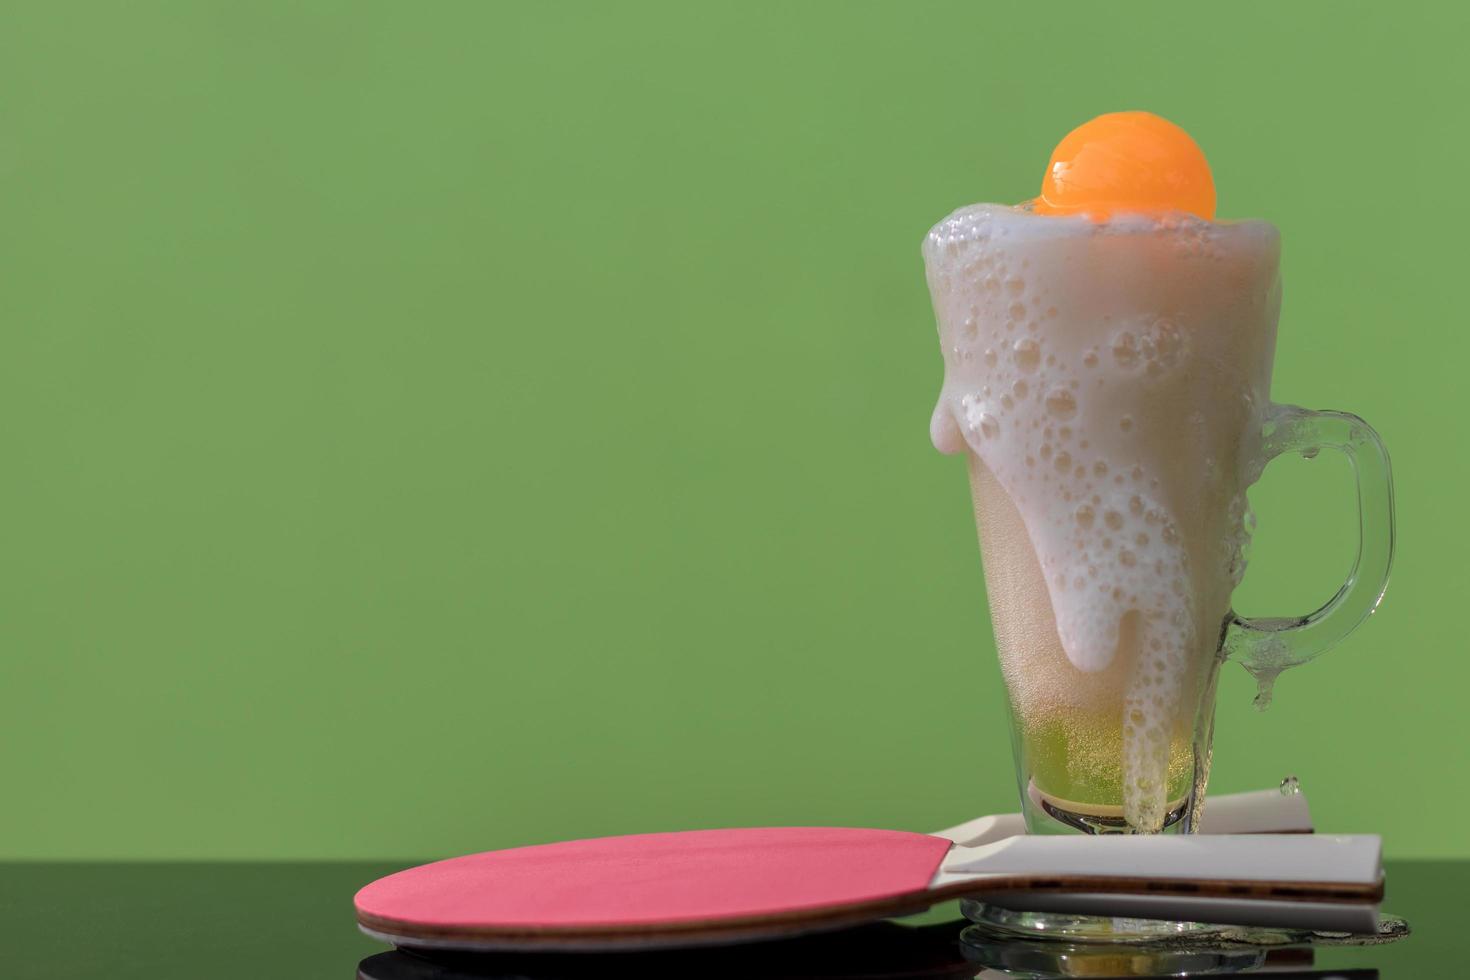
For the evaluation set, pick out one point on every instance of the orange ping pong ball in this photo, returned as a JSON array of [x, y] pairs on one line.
[[1127, 161]]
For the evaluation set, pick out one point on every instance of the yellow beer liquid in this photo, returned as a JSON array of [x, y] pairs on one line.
[[1077, 758]]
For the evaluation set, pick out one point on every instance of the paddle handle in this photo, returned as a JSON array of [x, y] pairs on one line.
[[1311, 881], [1347, 860], [1267, 811]]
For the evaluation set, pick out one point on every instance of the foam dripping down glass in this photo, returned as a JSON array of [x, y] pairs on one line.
[[1109, 382]]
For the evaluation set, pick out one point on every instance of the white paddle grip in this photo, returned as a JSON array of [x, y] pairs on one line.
[[1267, 811], [1256, 859]]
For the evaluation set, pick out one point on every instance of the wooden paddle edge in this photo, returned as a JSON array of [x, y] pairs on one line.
[[794, 921]]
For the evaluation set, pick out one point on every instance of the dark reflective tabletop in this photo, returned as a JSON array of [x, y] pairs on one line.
[[262, 921]]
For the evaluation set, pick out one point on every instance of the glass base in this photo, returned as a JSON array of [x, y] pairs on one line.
[[1053, 959], [1057, 944], [1003, 924]]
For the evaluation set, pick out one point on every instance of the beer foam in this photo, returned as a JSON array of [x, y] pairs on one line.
[[1105, 375]]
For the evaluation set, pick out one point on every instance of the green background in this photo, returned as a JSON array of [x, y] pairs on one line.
[[431, 427]]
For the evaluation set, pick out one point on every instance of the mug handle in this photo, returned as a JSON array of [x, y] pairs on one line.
[[1266, 647]]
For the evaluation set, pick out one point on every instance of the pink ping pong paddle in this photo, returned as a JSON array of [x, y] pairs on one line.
[[715, 886]]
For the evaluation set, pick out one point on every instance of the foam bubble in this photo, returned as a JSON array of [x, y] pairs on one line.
[[1060, 404], [1027, 353]]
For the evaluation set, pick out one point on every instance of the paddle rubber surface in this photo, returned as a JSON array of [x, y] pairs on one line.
[[653, 880]]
